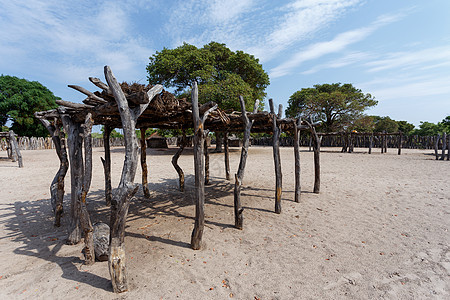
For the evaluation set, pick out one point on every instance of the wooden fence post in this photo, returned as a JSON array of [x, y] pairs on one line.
[[107, 163], [297, 124], [276, 154], [175, 161], [144, 164], [227, 156]]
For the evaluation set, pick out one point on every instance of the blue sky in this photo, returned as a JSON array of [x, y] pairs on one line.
[[398, 51]]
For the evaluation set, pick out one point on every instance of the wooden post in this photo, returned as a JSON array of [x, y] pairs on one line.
[[400, 141], [297, 124], [350, 142], [107, 163], [276, 155], [175, 161], [57, 186], [144, 164], [436, 146], [206, 160], [15, 151], [127, 188], [239, 176], [74, 143], [448, 147], [370, 143], [316, 148], [227, 156], [385, 142], [85, 221], [444, 145], [199, 164]]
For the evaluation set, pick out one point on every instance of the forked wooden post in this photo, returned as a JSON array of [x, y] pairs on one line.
[[127, 188], [227, 156], [199, 166], [144, 164], [297, 124], [57, 185], [276, 154], [107, 163], [239, 176], [175, 161]]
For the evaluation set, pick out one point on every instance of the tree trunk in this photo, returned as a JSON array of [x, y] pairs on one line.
[[219, 142], [144, 164], [206, 162]]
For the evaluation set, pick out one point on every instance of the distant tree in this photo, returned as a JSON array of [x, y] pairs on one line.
[[336, 105], [363, 124], [445, 123], [428, 129], [405, 127], [221, 73], [19, 100], [385, 124]]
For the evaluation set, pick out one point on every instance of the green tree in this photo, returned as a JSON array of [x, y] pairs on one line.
[[19, 100], [405, 127], [445, 123], [336, 105], [363, 124], [222, 74], [385, 124]]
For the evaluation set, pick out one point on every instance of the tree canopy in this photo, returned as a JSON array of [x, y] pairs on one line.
[[336, 105], [221, 74], [19, 100]]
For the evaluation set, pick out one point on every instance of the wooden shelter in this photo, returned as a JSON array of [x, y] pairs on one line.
[[136, 106]]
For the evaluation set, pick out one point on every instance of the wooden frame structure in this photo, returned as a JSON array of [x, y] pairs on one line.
[[141, 107]]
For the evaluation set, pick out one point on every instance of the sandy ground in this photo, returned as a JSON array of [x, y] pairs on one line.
[[378, 229]]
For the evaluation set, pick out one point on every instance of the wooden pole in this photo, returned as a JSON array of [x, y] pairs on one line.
[[85, 221], [144, 164], [297, 159], [175, 161], [276, 155], [199, 164], [127, 188], [107, 163], [316, 148], [436, 146], [74, 142], [206, 153], [444, 145], [57, 186], [370, 143], [400, 141], [239, 176], [227, 156], [16, 155]]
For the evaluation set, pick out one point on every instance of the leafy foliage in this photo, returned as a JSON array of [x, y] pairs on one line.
[[221, 74], [427, 128], [19, 100], [336, 105]]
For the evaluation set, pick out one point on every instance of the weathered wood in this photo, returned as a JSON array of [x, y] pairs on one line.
[[226, 156], [91, 95], [57, 185], [370, 143], [74, 142], [436, 146], [316, 147], [97, 82], [444, 145], [297, 159], [107, 164], [199, 165], [126, 189], [17, 156], [400, 141], [85, 221], [206, 153], [239, 176], [144, 164], [73, 105], [276, 156], [175, 162]]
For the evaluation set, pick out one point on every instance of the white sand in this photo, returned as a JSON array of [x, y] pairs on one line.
[[378, 229]]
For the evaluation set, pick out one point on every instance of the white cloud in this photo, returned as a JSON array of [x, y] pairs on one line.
[[339, 43], [226, 10], [346, 60]]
